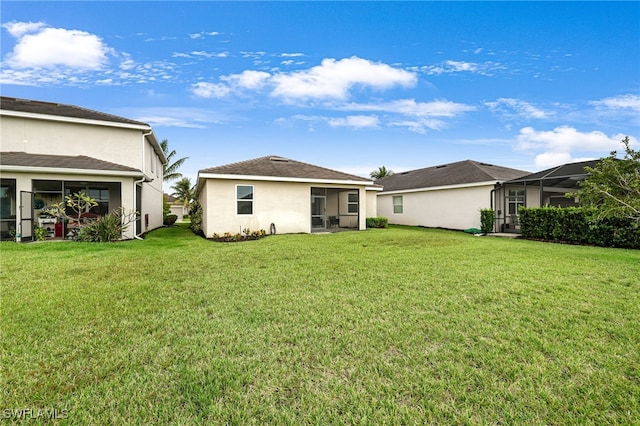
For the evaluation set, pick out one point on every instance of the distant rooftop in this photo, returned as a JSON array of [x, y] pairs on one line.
[[458, 173]]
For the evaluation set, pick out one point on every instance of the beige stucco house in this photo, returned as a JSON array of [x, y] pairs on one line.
[[49, 150], [446, 196], [283, 196]]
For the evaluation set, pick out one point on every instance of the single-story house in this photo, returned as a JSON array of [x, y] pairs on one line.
[[50, 150], [446, 196], [284, 196], [176, 206], [545, 188]]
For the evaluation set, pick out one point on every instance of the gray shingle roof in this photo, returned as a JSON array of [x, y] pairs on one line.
[[61, 110], [458, 173], [565, 170], [61, 162], [274, 166]]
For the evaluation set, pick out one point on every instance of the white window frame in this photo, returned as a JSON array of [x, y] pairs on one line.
[[353, 203], [515, 197], [394, 198], [238, 200]]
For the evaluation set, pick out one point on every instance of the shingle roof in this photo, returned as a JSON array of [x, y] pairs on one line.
[[458, 173], [61, 162], [563, 171], [60, 110], [274, 166]]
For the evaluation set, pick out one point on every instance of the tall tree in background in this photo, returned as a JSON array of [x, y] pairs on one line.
[[171, 169], [380, 173], [184, 191], [613, 185]]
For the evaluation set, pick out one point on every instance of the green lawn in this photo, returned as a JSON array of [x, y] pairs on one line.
[[396, 326]]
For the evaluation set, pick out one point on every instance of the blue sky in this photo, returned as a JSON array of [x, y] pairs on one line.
[[346, 85]]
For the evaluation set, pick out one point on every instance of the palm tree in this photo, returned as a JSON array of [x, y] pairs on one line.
[[380, 173], [184, 191], [171, 169]]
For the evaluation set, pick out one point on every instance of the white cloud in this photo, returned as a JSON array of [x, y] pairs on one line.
[[421, 125], [247, 79], [18, 29], [631, 102], [333, 79], [203, 34], [44, 47], [451, 66], [210, 90], [520, 108], [562, 144], [355, 121], [437, 108]]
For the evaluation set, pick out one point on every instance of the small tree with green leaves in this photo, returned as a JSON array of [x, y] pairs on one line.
[[79, 202], [613, 185]]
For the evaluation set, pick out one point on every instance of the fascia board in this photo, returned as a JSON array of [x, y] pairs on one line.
[[283, 179], [440, 188]]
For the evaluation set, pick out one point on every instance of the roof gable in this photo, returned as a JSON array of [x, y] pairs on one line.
[[60, 110], [458, 173], [280, 167]]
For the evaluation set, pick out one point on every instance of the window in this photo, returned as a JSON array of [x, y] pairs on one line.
[[352, 202], [515, 200], [244, 199], [397, 204]]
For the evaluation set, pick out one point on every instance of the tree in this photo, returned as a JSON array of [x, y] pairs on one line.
[[170, 170], [184, 191], [613, 185], [380, 173]]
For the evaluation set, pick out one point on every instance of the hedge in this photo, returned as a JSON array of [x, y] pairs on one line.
[[578, 225], [377, 222]]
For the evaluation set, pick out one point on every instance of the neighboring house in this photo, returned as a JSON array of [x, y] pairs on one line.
[[176, 206], [51, 150], [282, 195], [447, 196], [545, 188]]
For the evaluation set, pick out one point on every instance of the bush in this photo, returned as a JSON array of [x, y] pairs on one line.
[[579, 225], [170, 219], [246, 235], [487, 220], [195, 212], [40, 233], [377, 222], [105, 229]]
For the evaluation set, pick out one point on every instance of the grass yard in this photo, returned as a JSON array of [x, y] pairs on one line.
[[396, 326]]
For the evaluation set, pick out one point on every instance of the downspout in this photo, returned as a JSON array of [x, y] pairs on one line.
[[492, 195], [144, 178]]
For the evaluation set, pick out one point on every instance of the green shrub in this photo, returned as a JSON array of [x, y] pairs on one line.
[[246, 235], [102, 230], [195, 212], [487, 220], [377, 222], [40, 233], [578, 225], [170, 219]]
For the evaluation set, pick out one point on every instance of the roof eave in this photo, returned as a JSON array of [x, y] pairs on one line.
[[72, 171]]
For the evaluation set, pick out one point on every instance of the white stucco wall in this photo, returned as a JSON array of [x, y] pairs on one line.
[[452, 208]]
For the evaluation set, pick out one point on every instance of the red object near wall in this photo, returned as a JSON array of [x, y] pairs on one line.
[[58, 230]]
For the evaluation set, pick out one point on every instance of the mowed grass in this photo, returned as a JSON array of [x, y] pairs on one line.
[[396, 326]]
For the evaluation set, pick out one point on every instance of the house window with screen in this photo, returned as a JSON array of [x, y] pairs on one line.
[[397, 204], [244, 199], [352, 202], [515, 200]]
